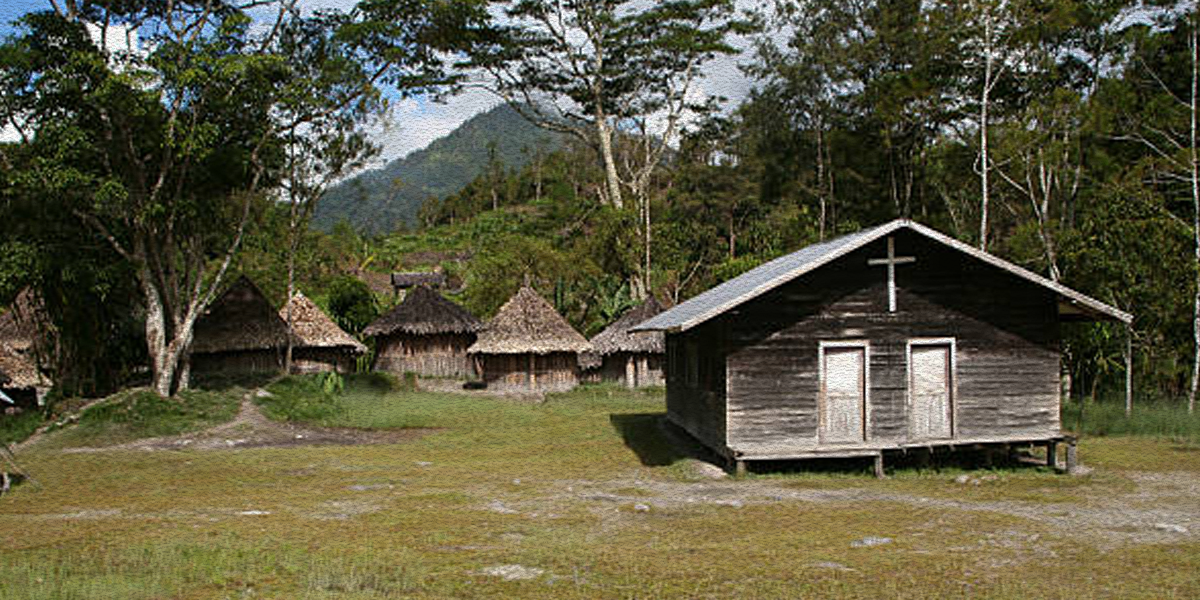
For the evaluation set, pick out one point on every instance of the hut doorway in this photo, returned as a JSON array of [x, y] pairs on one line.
[[931, 389], [843, 405]]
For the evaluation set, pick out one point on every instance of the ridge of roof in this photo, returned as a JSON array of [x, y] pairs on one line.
[[774, 273]]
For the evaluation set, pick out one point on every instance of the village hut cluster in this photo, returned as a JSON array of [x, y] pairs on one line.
[[528, 347], [242, 333]]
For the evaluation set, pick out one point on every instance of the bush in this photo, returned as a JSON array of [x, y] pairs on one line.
[[305, 398]]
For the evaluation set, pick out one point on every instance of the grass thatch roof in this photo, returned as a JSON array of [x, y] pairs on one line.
[[19, 325], [617, 337], [417, 279], [18, 369], [424, 312], [241, 319], [527, 324], [314, 329]]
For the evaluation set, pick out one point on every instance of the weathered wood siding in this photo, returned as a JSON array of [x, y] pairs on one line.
[[1005, 330], [631, 370], [696, 385], [251, 361], [555, 372], [426, 355], [322, 360]]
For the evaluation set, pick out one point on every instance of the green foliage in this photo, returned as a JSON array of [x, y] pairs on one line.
[[141, 413], [377, 201], [304, 398], [1167, 420], [351, 304], [17, 428]]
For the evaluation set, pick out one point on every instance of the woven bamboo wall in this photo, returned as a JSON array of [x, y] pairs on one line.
[[530, 372], [248, 361], [429, 355]]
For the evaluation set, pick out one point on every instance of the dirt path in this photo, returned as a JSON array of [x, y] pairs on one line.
[[1163, 507], [252, 429]]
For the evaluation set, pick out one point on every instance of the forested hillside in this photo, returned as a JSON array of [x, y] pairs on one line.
[[378, 200]]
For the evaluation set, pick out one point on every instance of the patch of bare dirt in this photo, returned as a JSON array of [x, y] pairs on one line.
[[252, 429]]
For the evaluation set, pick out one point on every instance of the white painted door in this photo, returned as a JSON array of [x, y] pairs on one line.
[[844, 400], [930, 392]]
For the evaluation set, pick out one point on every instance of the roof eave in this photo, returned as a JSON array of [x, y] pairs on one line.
[[1099, 309]]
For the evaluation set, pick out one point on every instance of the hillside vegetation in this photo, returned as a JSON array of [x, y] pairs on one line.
[[380, 200]]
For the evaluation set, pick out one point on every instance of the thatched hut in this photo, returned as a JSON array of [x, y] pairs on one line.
[[632, 358], [21, 342], [318, 344], [239, 333], [425, 334], [529, 346]]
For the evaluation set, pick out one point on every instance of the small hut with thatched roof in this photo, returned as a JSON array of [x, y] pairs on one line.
[[239, 333], [529, 346], [425, 334], [318, 344], [635, 359], [21, 342]]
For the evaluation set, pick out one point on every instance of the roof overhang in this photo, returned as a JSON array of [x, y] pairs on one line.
[[1072, 305]]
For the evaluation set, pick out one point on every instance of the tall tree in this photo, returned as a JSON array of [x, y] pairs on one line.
[[590, 68]]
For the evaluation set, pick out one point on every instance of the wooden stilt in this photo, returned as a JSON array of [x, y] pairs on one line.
[[1128, 370], [879, 465], [739, 468], [1052, 454]]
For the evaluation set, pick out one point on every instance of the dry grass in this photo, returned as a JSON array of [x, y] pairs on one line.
[[557, 487]]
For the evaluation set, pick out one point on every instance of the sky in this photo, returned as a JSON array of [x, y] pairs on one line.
[[414, 123]]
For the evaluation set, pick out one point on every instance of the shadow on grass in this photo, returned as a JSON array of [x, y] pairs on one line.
[[656, 442]]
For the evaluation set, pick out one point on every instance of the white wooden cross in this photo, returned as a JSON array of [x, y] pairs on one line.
[[891, 261]]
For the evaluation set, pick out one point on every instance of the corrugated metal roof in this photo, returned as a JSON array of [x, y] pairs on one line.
[[775, 273]]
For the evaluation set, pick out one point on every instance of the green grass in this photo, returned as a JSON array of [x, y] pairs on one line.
[[1152, 419], [16, 428], [302, 398], [141, 413], [417, 519]]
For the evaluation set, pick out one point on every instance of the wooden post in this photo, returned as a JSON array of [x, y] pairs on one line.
[[739, 468], [879, 465], [1072, 458], [1051, 454], [532, 371], [1128, 370]]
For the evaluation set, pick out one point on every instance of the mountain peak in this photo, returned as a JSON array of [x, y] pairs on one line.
[[377, 200]]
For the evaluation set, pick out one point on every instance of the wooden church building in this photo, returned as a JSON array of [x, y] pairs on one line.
[[891, 338], [318, 344], [425, 334], [239, 333], [529, 347], [635, 359]]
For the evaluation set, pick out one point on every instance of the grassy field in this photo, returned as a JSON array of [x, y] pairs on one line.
[[584, 497]]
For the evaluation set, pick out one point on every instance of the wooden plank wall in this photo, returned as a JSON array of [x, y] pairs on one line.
[[427, 355], [255, 361], [322, 360], [555, 372], [1006, 333], [698, 405], [647, 369]]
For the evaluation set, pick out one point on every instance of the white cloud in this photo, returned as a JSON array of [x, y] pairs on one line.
[[412, 124]]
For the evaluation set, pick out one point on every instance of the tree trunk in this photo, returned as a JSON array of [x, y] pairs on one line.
[[984, 158], [162, 364], [1195, 168], [821, 182], [612, 182]]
